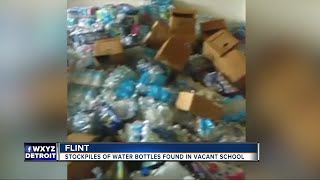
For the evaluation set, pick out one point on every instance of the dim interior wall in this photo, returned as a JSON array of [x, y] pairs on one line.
[[232, 10]]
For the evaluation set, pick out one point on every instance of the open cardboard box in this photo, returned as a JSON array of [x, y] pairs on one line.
[[182, 23], [232, 66], [110, 49], [219, 44]]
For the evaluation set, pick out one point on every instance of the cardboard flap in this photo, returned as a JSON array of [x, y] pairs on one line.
[[213, 26], [180, 15], [175, 52], [158, 35], [184, 101], [183, 13], [199, 105], [206, 108]]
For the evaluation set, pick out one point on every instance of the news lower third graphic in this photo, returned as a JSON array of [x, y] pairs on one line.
[[142, 151], [40, 151]]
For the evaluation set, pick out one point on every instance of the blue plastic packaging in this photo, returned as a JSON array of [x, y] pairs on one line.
[[126, 89], [165, 134], [153, 79], [161, 94], [206, 126], [109, 118], [237, 113]]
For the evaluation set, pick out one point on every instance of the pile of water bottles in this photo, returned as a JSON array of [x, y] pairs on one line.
[[136, 101], [87, 24]]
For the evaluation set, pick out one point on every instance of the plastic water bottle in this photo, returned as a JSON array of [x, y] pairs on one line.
[[125, 109], [147, 134], [82, 122], [234, 109], [126, 89], [135, 130], [109, 118], [118, 75], [206, 126], [217, 81]]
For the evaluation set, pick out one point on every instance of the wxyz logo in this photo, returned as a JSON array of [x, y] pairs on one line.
[[43, 149]]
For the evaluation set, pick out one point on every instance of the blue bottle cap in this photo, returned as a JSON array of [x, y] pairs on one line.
[[145, 171]]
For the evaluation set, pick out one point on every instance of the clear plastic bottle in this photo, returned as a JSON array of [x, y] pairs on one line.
[[147, 134], [228, 132], [205, 128], [134, 131], [217, 81]]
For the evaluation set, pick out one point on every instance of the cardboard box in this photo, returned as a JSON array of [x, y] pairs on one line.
[[158, 35], [210, 27], [108, 47], [103, 62], [219, 44], [232, 65], [198, 105], [182, 22], [81, 170], [175, 52]]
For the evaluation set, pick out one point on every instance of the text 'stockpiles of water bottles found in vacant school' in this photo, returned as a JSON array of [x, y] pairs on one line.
[[157, 73]]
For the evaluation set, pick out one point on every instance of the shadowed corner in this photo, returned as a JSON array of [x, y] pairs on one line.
[[285, 103]]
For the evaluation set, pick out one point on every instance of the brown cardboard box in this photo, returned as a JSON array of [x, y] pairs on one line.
[[81, 137], [103, 62], [232, 65], [198, 105], [158, 35], [175, 52], [210, 27], [108, 47], [219, 44], [81, 170], [182, 22]]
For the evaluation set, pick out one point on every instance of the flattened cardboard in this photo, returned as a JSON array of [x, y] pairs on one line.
[[210, 27], [232, 65], [108, 47], [219, 44], [182, 22], [198, 105], [159, 34], [175, 52]]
